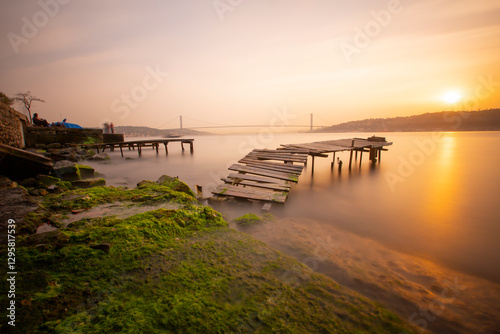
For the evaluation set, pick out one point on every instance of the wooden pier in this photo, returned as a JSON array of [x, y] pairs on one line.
[[140, 144], [264, 175], [268, 175], [372, 145]]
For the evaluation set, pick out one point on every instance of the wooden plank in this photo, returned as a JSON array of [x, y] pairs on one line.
[[262, 172], [272, 166], [272, 186], [251, 190], [26, 155], [255, 178], [240, 192], [284, 157], [292, 150], [283, 168], [290, 166], [279, 152], [274, 169], [320, 148], [267, 206]]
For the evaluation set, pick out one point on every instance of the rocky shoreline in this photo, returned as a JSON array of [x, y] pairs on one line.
[[168, 264]]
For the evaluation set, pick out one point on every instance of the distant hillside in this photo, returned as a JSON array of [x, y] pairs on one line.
[[144, 131], [484, 120]]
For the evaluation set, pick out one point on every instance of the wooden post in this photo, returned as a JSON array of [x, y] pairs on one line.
[[166, 149], [356, 156], [350, 161], [139, 149], [156, 146], [182, 145], [191, 147], [333, 160], [312, 167], [360, 158], [121, 149], [379, 155]]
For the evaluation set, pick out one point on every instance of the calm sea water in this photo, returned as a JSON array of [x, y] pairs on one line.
[[435, 195]]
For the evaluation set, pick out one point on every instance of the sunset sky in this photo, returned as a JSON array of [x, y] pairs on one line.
[[238, 61]]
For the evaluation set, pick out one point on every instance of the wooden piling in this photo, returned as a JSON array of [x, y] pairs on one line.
[[350, 161]]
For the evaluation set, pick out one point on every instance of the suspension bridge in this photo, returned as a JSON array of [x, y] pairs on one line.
[[213, 125]]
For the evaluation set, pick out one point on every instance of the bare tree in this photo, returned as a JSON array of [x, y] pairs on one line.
[[27, 99]]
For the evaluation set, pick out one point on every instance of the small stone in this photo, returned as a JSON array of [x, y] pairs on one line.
[[100, 157], [52, 189], [5, 182]]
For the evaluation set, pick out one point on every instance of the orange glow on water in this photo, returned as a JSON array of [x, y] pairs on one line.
[[439, 210]]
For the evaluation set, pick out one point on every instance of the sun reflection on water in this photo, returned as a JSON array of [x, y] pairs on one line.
[[439, 209]]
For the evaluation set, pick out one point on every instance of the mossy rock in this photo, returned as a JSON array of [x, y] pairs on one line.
[[175, 184], [180, 271], [248, 220], [47, 180], [86, 172], [66, 170], [89, 183], [252, 219]]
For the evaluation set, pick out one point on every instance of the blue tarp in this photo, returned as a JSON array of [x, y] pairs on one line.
[[68, 125]]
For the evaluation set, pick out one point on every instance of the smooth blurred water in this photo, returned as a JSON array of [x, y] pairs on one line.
[[434, 195]]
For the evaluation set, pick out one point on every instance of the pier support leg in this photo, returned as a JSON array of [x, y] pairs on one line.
[[166, 148], [356, 155], [350, 161], [360, 158], [312, 167], [139, 149], [121, 150], [333, 160], [156, 146], [379, 155], [191, 147]]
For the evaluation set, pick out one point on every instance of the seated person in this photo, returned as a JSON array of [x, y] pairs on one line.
[[39, 121]]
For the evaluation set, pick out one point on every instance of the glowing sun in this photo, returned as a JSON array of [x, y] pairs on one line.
[[451, 97]]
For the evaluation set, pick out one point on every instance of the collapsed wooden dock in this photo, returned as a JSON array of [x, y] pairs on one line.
[[268, 175], [263, 175], [372, 145], [140, 144]]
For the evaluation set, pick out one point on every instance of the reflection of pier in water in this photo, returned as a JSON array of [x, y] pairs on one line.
[[268, 175]]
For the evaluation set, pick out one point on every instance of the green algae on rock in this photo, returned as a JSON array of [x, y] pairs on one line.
[[250, 219], [174, 270]]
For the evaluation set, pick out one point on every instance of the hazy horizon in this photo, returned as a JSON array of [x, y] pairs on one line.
[[239, 62]]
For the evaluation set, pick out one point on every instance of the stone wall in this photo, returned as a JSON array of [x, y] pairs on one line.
[[36, 135], [13, 125]]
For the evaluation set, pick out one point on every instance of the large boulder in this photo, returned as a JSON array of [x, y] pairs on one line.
[[175, 184], [66, 170]]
